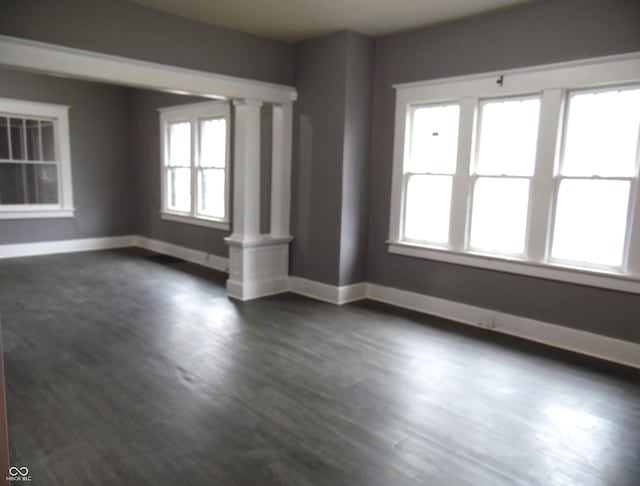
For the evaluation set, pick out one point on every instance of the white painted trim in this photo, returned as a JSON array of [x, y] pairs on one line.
[[281, 169], [590, 344], [17, 250], [59, 114], [327, 293], [593, 72], [610, 349], [95, 66], [37, 213], [207, 223], [246, 170], [547, 271], [205, 259], [550, 82]]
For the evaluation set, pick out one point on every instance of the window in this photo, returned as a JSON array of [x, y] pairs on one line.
[[597, 176], [508, 132], [35, 163], [513, 172], [195, 155], [429, 175]]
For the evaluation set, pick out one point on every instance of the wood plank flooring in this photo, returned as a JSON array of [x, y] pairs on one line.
[[123, 369]]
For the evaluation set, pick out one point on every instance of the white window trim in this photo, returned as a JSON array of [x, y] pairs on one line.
[[193, 112], [60, 113], [551, 81]]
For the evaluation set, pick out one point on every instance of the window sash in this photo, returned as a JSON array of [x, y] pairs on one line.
[[56, 119]]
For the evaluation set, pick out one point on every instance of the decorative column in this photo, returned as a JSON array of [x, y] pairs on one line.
[[259, 264]]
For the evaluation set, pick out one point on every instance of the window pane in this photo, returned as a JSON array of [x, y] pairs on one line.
[[434, 139], [48, 147], [12, 190], [499, 215], [213, 142], [602, 134], [4, 139], [33, 140], [508, 137], [180, 144], [179, 189], [591, 221], [428, 208], [17, 139], [41, 183], [211, 196]]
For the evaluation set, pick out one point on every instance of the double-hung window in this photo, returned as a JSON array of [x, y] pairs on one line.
[[35, 161], [528, 171], [195, 160]]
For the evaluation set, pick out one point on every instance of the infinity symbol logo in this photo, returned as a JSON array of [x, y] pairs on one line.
[[18, 471]]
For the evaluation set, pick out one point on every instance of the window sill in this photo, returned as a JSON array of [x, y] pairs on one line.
[[592, 278], [36, 213], [207, 223]]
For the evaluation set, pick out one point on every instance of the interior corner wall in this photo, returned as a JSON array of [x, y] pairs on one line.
[[318, 144], [330, 158], [101, 173], [538, 33], [125, 29], [355, 161]]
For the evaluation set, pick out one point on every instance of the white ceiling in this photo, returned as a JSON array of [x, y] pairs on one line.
[[292, 20]]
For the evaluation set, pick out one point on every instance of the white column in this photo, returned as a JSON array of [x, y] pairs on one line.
[[281, 170], [259, 264], [246, 171]]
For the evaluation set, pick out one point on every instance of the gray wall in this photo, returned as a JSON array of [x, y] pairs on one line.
[[318, 133], [356, 154], [330, 158], [125, 29], [540, 33], [101, 172]]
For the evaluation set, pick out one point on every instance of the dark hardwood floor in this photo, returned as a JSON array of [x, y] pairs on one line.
[[123, 369]]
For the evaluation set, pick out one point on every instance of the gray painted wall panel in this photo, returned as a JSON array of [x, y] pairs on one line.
[[536, 34], [125, 29], [101, 170], [355, 164], [318, 136]]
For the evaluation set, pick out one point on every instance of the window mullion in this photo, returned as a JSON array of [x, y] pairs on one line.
[[633, 237], [542, 183], [461, 179], [194, 172]]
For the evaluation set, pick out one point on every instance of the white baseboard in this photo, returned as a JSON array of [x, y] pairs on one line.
[[65, 246], [194, 256], [583, 342], [327, 293]]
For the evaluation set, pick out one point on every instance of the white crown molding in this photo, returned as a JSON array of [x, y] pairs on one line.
[[95, 66]]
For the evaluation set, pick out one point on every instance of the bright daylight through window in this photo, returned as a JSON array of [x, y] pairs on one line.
[[195, 160], [542, 175]]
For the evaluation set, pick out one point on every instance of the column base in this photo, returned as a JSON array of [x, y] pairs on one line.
[[258, 268]]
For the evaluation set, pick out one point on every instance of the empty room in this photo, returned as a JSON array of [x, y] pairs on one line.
[[302, 242]]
